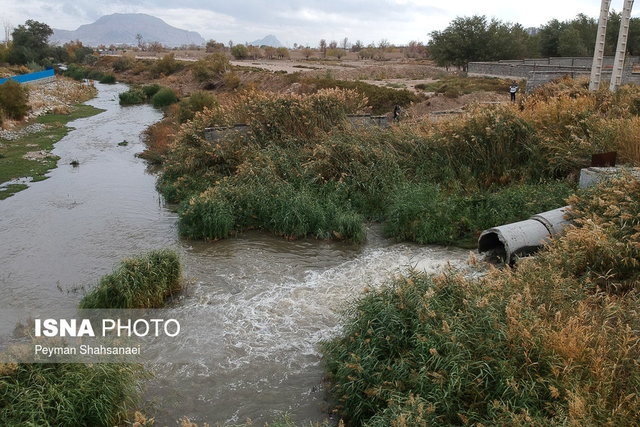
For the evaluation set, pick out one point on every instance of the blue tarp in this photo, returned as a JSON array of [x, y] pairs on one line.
[[24, 78]]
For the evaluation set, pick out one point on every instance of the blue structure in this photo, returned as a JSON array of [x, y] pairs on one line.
[[32, 77]]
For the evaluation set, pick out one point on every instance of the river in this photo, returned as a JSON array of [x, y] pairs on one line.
[[274, 300]]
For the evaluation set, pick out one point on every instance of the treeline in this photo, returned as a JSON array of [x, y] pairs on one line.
[[468, 39], [29, 46]]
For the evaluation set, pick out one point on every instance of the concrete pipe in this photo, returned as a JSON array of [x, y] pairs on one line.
[[524, 237]]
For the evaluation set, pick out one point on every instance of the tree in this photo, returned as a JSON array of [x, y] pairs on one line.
[[270, 52], [570, 43], [214, 46], [30, 42], [323, 47], [282, 52], [345, 43], [239, 51], [307, 52], [357, 46], [211, 66]]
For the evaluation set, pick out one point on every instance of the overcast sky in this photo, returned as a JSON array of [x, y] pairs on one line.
[[306, 21]]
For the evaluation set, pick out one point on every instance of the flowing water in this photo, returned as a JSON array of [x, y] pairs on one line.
[[271, 301]]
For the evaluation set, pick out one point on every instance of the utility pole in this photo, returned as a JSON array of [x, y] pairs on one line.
[[618, 62], [598, 52]]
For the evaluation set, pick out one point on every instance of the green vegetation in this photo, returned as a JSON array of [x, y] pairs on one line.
[[77, 72], [30, 42], [434, 183], [102, 394], [108, 78], [13, 100], [240, 51], [553, 342], [211, 66], [473, 38], [159, 96], [164, 97], [196, 102], [14, 165], [145, 281], [67, 394]]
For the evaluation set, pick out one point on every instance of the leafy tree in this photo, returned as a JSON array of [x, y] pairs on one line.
[[282, 52], [239, 51], [570, 43], [464, 40], [307, 52], [30, 42], [270, 52]]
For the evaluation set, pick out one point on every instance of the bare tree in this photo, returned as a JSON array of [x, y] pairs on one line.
[[323, 47], [333, 44], [8, 29], [345, 43], [139, 40]]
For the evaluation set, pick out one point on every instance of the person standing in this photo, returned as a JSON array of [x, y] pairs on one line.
[[512, 90], [396, 113]]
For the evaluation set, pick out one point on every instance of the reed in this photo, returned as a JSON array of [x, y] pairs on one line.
[[145, 281]]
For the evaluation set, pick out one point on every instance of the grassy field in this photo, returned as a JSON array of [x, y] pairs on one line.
[[12, 162]]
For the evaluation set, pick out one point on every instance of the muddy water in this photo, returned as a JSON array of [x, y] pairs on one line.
[[271, 301]]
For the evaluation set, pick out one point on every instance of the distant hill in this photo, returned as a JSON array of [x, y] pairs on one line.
[[270, 40], [122, 28]]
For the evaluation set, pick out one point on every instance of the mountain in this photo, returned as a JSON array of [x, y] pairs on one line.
[[270, 40], [122, 28]]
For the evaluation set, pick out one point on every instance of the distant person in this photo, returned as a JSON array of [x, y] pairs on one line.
[[396, 113], [512, 90]]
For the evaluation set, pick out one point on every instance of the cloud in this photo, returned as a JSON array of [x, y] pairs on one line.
[[307, 21]]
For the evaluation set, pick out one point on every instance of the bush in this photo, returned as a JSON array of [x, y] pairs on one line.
[[123, 63], [133, 96], [141, 282], [197, 102], [163, 98], [166, 66], [240, 51], [150, 90], [14, 100], [210, 66], [67, 394], [108, 78], [231, 80]]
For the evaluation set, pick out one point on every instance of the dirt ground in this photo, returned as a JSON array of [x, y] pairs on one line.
[[395, 72]]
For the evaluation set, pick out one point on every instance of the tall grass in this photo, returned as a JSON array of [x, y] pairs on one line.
[[68, 394], [141, 282], [553, 342], [301, 162]]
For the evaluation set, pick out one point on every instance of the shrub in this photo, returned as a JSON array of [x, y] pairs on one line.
[[231, 80], [67, 393], [210, 66], [163, 98], [133, 96], [166, 66], [123, 63], [141, 282], [240, 51], [14, 100], [197, 102], [150, 90], [108, 78]]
